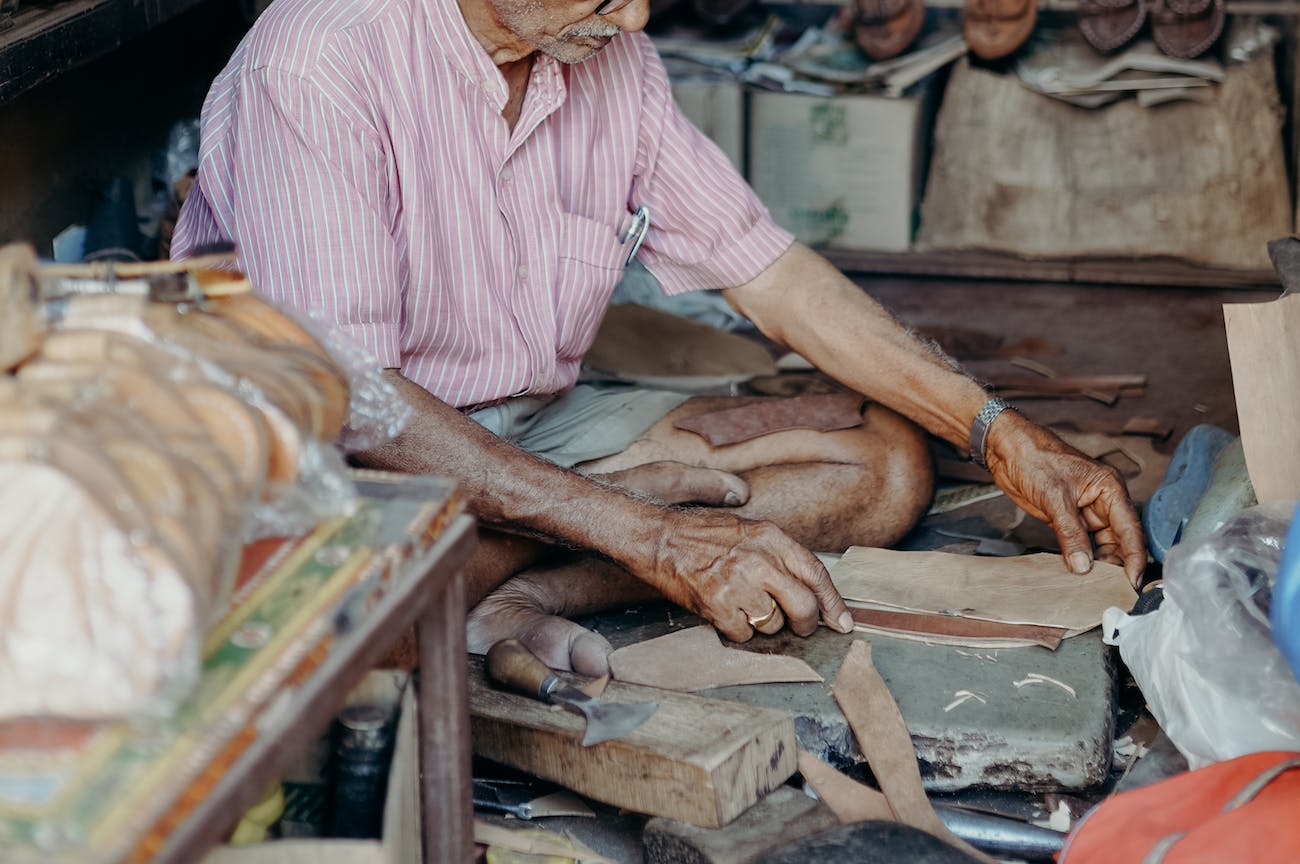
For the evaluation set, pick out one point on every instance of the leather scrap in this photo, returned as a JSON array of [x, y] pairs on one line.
[[695, 659], [848, 799], [822, 412], [882, 736], [997, 28], [954, 629], [648, 346], [1029, 589], [1068, 387]]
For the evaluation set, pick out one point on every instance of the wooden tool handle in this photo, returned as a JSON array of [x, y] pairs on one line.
[[512, 665]]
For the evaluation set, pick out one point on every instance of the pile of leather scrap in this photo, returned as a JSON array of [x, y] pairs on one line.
[[138, 435], [944, 598], [1066, 68]]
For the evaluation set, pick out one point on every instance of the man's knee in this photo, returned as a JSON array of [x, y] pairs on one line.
[[904, 472]]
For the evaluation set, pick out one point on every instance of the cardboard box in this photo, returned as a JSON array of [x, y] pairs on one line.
[[402, 834], [715, 102], [843, 171]]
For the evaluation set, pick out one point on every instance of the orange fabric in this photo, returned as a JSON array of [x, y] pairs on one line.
[[1125, 828]]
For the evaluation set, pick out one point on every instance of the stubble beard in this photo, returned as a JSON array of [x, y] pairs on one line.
[[521, 17]]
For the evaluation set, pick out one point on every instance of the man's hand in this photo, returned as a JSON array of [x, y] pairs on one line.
[[733, 571], [1077, 496]]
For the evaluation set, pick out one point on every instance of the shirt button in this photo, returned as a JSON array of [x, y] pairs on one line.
[[506, 176], [521, 273]]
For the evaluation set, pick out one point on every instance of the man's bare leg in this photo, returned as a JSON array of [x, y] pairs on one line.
[[864, 486], [539, 577]]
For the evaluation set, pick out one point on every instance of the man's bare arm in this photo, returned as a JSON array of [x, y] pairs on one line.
[[713, 563], [803, 302]]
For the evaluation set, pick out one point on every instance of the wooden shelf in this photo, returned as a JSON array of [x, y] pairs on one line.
[[1233, 7], [48, 40], [992, 265]]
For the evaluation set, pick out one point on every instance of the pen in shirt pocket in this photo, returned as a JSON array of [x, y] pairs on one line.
[[636, 232]]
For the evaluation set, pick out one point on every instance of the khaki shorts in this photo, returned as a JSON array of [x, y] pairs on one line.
[[579, 425]]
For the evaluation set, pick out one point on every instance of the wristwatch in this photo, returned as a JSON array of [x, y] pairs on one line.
[[979, 429]]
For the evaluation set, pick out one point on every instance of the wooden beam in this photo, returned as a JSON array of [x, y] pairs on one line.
[[703, 761], [993, 265], [48, 40]]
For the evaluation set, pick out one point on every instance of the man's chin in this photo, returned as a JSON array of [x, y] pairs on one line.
[[576, 49]]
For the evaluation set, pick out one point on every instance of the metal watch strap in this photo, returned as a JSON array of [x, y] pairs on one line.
[[979, 429]]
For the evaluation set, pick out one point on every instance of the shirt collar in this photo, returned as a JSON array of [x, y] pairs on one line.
[[448, 28]]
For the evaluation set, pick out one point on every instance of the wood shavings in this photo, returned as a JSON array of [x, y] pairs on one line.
[[1059, 820], [990, 658], [1038, 678], [962, 696]]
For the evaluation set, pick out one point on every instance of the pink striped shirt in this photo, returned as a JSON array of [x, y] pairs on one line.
[[355, 152]]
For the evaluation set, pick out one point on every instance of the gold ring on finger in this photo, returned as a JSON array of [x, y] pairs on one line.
[[764, 619]]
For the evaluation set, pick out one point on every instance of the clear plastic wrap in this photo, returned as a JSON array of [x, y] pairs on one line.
[[376, 411], [298, 395], [160, 417], [1205, 659]]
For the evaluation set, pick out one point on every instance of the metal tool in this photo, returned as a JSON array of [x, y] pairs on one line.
[[1000, 836], [513, 666], [525, 800]]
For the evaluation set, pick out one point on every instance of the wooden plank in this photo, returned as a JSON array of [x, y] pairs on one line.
[[46, 41], [995, 265], [1233, 7], [703, 761]]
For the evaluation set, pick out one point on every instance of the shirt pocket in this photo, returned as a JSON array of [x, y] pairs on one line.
[[590, 267]]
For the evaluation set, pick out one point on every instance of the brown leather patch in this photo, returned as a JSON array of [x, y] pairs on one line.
[[823, 412], [954, 625]]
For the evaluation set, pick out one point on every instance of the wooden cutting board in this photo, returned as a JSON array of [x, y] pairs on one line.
[[703, 761]]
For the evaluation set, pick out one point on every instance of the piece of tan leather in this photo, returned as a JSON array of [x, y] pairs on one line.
[[822, 412], [997, 28], [848, 799], [955, 626], [1186, 28], [882, 736], [1109, 25], [695, 659], [885, 28]]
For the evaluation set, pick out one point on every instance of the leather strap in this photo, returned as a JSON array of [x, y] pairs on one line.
[[883, 738]]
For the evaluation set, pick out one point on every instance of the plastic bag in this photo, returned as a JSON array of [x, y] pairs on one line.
[[1205, 659], [240, 346], [1286, 599], [111, 560]]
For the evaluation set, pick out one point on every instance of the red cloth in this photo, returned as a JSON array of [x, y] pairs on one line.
[[1124, 829]]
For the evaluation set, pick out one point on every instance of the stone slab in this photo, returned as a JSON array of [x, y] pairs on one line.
[[1036, 737]]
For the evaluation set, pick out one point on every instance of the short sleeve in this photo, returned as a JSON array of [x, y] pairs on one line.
[[308, 207], [708, 228]]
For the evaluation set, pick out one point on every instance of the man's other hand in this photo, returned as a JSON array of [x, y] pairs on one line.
[[1084, 501]]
